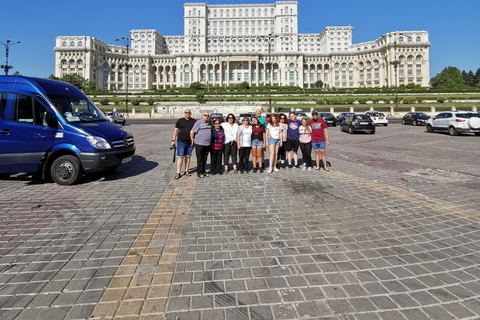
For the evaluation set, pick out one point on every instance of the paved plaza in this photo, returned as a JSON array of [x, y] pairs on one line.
[[393, 232]]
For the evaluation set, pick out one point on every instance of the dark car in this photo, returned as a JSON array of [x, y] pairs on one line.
[[415, 118], [358, 123], [329, 118], [215, 116], [342, 116]]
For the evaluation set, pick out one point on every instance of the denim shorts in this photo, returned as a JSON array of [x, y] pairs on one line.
[[319, 145], [273, 141], [257, 143], [184, 149]]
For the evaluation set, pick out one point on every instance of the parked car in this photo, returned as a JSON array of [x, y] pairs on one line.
[[215, 116], [415, 118], [455, 122], [116, 117], [377, 117], [358, 123], [342, 116], [51, 129], [301, 114], [328, 118], [244, 115]]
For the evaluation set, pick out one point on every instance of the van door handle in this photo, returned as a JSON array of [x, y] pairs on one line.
[[6, 131]]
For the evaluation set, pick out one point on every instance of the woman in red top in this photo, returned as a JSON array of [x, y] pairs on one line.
[[258, 143], [218, 138]]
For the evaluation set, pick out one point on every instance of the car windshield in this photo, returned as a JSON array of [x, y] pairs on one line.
[[76, 109], [326, 115], [244, 115], [362, 117]]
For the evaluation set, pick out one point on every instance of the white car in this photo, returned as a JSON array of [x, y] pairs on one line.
[[116, 117], [377, 117], [455, 122]]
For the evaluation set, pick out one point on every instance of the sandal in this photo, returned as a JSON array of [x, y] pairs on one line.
[[177, 176], [226, 172], [201, 176], [235, 171], [188, 173]]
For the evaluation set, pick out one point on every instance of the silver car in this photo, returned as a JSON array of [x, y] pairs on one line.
[[116, 117]]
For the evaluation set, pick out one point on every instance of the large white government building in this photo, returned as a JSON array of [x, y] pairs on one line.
[[226, 45]]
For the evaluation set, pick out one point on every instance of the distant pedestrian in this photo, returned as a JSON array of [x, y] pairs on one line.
[[258, 144], [181, 138], [305, 139], [218, 137], [275, 138], [201, 136], [292, 140], [230, 148], [320, 139], [244, 144]]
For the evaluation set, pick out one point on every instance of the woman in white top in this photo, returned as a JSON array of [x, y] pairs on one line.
[[244, 144], [305, 134], [275, 140], [230, 128]]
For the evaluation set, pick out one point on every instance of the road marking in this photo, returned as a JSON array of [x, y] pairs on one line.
[[142, 283]]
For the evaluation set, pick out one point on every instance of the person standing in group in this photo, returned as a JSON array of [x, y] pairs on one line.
[[320, 139], [275, 138], [292, 140], [258, 114], [201, 136], [230, 149], [244, 144], [181, 137], [281, 149], [258, 143], [305, 139], [218, 138]]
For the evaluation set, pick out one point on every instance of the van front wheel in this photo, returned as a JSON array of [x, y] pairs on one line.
[[66, 170]]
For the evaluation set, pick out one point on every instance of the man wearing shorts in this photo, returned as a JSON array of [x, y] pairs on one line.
[[320, 139], [292, 143], [181, 133]]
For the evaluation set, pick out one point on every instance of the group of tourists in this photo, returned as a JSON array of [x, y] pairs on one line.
[[228, 140]]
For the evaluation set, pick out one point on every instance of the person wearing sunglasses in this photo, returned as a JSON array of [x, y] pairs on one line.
[[181, 138], [258, 144], [244, 144], [230, 149], [218, 137], [201, 136], [281, 150]]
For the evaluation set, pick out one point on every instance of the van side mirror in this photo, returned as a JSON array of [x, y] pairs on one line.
[[49, 120]]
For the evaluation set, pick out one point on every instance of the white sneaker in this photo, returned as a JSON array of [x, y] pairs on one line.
[[304, 168], [309, 168], [269, 170], [326, 170], [276, 169], [317, 168]]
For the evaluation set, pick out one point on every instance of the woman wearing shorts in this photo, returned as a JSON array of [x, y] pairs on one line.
[[258, 143], [275, 138]]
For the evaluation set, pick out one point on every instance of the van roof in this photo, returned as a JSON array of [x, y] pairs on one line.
[[38, 85]]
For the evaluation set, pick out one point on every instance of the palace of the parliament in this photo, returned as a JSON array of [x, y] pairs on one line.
[[225, 45]]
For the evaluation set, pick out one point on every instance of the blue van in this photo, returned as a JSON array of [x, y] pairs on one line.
[[50, 128]]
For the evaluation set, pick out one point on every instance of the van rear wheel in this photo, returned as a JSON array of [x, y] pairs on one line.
[[66, 170]]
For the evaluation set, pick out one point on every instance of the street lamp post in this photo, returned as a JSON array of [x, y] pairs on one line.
[[395, 64], [7, 47], [269, 38], [125, 41]]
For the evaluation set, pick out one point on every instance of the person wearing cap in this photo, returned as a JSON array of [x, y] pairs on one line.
[[320, 139]]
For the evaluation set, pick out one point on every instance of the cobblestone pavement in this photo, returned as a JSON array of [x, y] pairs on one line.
[[392, 232]]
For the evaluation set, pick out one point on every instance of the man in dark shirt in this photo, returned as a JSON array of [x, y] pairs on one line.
[[184, 144]]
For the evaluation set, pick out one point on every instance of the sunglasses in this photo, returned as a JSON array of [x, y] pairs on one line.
[[282, 118], [245, 120], [205, 115], [230, 118], [217, 123], [187, 112]]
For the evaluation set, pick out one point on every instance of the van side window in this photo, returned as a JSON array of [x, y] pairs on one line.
[[22, 108]]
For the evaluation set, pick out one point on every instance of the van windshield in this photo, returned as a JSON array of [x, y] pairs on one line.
[[76, 109]]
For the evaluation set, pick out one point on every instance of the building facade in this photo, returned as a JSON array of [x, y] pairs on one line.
[[226, 45]]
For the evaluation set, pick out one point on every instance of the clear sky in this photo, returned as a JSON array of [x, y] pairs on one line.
[[453, 26]]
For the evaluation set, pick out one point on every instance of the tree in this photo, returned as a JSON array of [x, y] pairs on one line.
[[476, 82], [16, 73], [243, 86], [319, 84], [196, 86], [200, 97], [449, 78]]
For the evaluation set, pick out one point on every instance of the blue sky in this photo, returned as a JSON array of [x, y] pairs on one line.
[[453, 26]]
